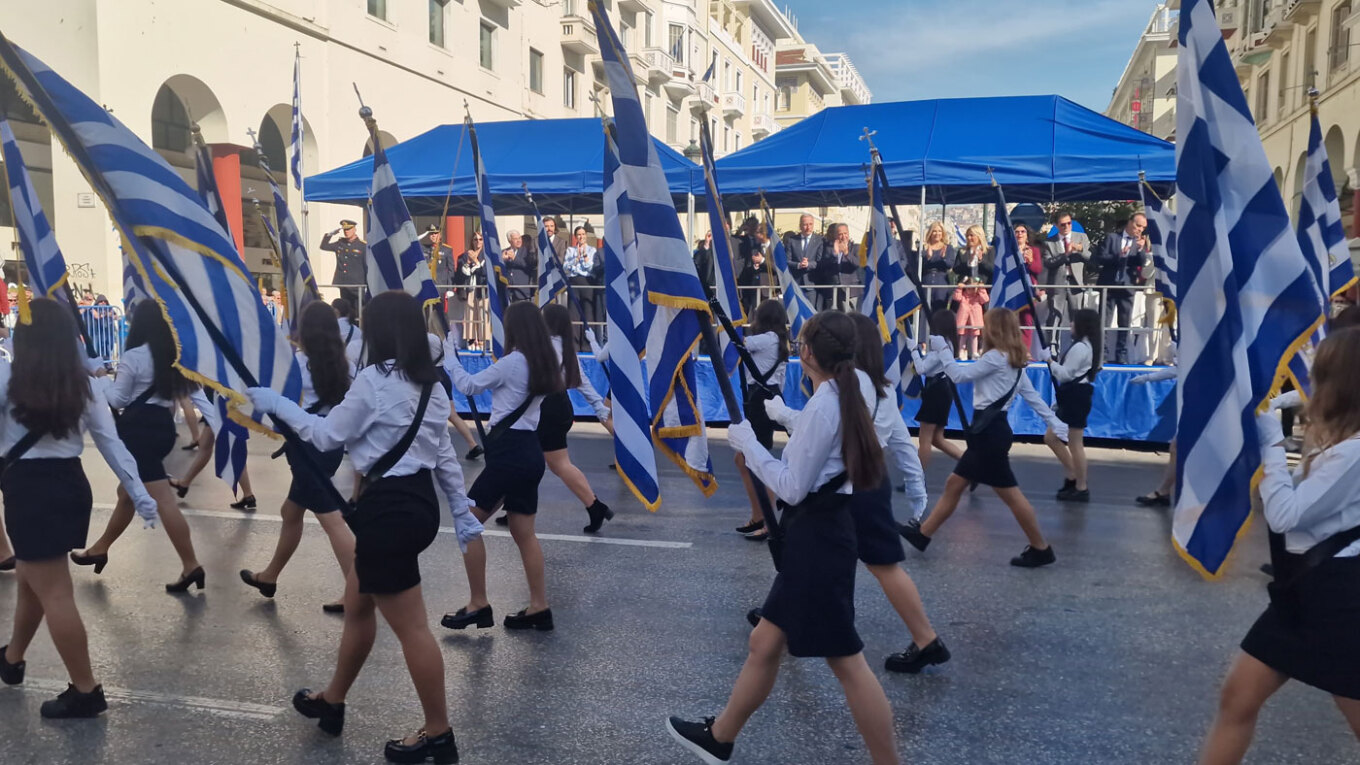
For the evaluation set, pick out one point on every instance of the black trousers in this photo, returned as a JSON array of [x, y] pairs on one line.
[[1120, 302], [351, 296], [591, 301]]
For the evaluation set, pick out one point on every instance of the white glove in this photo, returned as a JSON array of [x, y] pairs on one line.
[[465, 525], [1290, 400], [916, 356], [592, 342], [938, 344], [741, 435], [1042, 354], [266, 400], [145, 505], [776, 408], [1141, 380], [1060, 430], [1269, 433]]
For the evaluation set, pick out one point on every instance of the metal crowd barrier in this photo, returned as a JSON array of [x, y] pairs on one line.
[[105, 326]]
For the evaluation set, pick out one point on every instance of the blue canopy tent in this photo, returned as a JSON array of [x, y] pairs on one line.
[[1041, 148], [561, 160]]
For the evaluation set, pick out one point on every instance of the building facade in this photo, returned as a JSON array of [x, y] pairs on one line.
[[1145, 97], [226, 65]]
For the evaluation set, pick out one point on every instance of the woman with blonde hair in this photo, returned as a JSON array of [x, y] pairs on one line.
[[1307, 633], [937, 259], [973, 265], [997, 377]]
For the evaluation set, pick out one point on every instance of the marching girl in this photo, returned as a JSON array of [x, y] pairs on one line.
[[47, 403], [1307, 633], [326, 375], [997, 377], [767, 340], [810, 610], [392, 421], [210, 423], [146, 387], [1075, 376], [938, 395], [518, 381]]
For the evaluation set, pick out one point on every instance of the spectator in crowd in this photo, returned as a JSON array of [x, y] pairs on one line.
[[439, 256], [937, 260], [703, 260], [1121, 260], [468, 306], [1065, 260], [586, 271], [1033, 260], [839, 267], [558, 238], [520, 266], [973, 266], [803, 248], [757, 270], [101, 321]]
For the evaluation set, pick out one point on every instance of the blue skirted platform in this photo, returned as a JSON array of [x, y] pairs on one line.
[[1120, 411]]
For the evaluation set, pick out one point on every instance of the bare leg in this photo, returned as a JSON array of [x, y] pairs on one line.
[[947, 446], [751, 497], [246, 491], [290, 536], [1250, 683], [906, 600], [559, 462], [201, 457], [1076, 444], [405, 614], [1060, 451], [924, 443], [356, 640], [461, 426], [1024, 515], [1169, 476], [869, 706], [342, 539], [945, 505], [190, 419], [28, 615], [118, 523], [522, 530], [754, 683], [50, 581], [474, 562], [1350, 709], [175, 526], [6, 552]]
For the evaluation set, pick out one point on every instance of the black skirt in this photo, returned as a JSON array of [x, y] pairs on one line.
[[47, 507], [395, 519], [758, 417], [936, 398], [514, 468], [148, 432], [1073, 403], [307, 489], [876, 539], [555, 419], [1315, 641], [812, 599], [988, 458]]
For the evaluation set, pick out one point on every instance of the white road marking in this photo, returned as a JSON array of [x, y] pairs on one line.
[[221, 707], [490, 532]]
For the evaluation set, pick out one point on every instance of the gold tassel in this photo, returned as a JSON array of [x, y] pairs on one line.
[[25, 314]]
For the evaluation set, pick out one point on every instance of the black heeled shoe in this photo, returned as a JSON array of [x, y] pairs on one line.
[[329, 717], [503, 519], [98, 561], [246, 505], [442, 749], [181, 490], [195, 578], [11, 674], [474, 454], [8, 564], [333, 608], [599, 512], [541, 621], [266, 589], [71, 703], [461, 619]]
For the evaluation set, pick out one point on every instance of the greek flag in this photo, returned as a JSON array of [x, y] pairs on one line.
[[958, 234], [299, 283], [207, 184], [295, 143], [42, 256], [889, 297], [725, 280], [671, 282], [1322, 235], [133, 288], [188, 263], [395, 259], [496, 283], [796, 304], [551, 281], [1247, 298], [229, 447], [1161, 232], [625, 308], [1011, 280]]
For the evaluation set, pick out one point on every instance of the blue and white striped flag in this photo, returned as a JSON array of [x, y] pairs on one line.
[[1011, 287], [796, 304], [299, 283], [1161, 232], [551, 280], [229, 447], [626, 310], [672, 284], [724, 276], [189, 264], [959, 235], [497, 285], [42, 256], [395, 260], [1247, 297], [207, 184], [1322, 235], [134, 290], [295, 142], [889, 297]]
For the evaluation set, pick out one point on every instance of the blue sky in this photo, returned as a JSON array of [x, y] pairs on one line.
[[909, 49]]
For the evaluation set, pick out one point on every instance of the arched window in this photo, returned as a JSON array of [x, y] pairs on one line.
[[169, 122], [271, 140]]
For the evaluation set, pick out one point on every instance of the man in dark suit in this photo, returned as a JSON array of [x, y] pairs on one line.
[[1121, 259], [349, 260], [838, 266], [559, 239], [802, 247], [757, 270], [1065, 259], [521, 267], [703, 262]]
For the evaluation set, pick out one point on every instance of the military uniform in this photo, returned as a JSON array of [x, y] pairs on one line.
[[443, 264], [349, 263]]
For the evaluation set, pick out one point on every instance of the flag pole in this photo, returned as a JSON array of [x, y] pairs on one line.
[[1024, 277], [302, 178]]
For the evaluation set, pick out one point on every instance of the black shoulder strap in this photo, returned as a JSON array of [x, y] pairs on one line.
[[25, 443], [394, 455], [144, 398], [504, 424], [350, 335], [1317, 554]]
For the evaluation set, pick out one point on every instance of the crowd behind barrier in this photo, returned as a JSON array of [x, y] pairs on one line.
[[105, 326]]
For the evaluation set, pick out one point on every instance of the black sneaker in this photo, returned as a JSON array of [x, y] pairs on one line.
[[916, 658], [474, 454], [71, 703], [1069, 484], [697, 737], [912, 533], [1075, 495], [1155, 499], [750, 527], [11, 674], [245, 505], [1032, 558]]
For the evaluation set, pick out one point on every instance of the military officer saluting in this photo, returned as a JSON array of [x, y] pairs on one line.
[[438, 256], [349, 260]]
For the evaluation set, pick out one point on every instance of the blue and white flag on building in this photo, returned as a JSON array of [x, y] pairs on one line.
[[1011, 287], [724, 275], [889, 297], [396, 261], [626, 311], [37, 243], [299, 282], [189, 264], [295, 141], [671, 282], [1248, 300], [497, 285], [1161, 233], [1322, 235]]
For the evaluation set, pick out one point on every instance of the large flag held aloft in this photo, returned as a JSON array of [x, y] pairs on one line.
[[1322, 235], [551, 280], [667, 272], [295, 141], [1247, 297], [496, 283], [38, 244], [1013, 288], [395, 259], [299, 283], [889, 297], [724, 277], [1161, 233], [796, 304], [188, 263]]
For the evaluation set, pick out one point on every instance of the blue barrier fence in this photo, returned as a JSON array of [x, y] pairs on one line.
[[105, 325]]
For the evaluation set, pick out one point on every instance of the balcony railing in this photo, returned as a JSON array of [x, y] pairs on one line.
[[578, 35], [734, 104], [763, 124], [660, 65]]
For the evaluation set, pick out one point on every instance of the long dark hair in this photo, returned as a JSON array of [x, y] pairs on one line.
[[525, 332], [1086, 326], [830, 336], [946, 325], [343, 309], [558, 322], [394, 329], [149, 328], [319, 336], [770, 316], [1334, 408], [48, 388], [869, 352]]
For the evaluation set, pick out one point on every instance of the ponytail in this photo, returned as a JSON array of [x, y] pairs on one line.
[[831, 335]]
